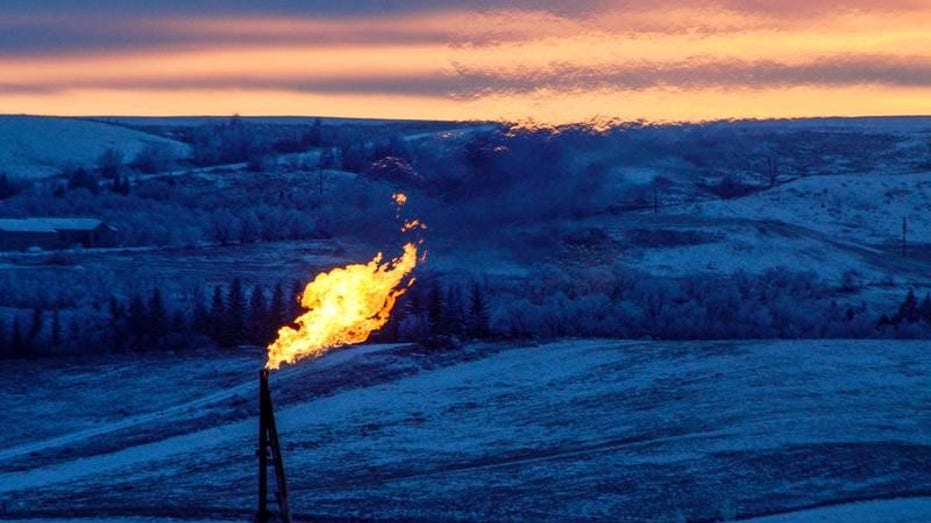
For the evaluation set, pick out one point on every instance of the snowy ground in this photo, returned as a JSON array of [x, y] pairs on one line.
[[677, 244], [885, 511], [576, 430], [866, 208], [912, 510], [41, 146]]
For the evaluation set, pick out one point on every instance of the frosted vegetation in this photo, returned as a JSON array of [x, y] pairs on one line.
[[740, 230]]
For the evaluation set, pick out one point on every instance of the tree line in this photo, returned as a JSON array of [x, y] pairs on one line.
[[911, 317], [776, 304], [441, 314], [234, 315]]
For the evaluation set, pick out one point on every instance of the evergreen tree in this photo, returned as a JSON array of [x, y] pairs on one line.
[[7, 188], [411, 316], [56, 329], [118, 323], [478, 320], [435, 308], [258, 317], [415, 301], [137, 318], [158, 317], [35, 329], [178, 324], [74, 333], [925, 309], [390, 332], [35, 326], [17, 343], [217, 315], [200, 318], [454, 321], [5, 349], [110, 163], [178, 331], [121, 185], [276, 312], [235, 314], [909, 311], [81, 178]]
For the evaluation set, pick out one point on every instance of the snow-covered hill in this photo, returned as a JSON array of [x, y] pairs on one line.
[[847, 229], [39, 146], [577, 430], [865, 208], [842, 227]]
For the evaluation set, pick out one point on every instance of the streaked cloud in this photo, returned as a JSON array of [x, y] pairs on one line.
[[472, 83]]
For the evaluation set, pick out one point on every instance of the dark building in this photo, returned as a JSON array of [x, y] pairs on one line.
[[55, 233]]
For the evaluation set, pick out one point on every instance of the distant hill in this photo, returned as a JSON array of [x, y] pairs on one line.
[[40, 146]]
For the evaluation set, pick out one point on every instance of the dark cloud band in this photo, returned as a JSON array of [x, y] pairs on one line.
[[470, 83], [53, 38], [314, 8], [701, 73], [34, 28]]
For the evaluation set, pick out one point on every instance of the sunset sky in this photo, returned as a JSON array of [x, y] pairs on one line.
[[552, 61]]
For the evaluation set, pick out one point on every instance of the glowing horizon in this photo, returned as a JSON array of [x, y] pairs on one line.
[[518, 61]]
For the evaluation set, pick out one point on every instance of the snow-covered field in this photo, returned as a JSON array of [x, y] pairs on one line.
[[41, 146], [839, 226], [583, 430], [863, 208]]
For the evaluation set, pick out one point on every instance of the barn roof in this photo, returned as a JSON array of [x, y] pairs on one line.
[[50, 225]]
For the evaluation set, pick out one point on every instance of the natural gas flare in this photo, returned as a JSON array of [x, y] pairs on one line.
[[344, 306]]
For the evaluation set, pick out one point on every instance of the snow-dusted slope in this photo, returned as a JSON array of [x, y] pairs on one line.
[[581, 431], [40, 146], [866, 208], [915, 510], [838, 226], [909, 510]]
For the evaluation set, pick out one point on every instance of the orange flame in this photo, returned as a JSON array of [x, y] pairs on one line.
[[345, 305], [410, 225]]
